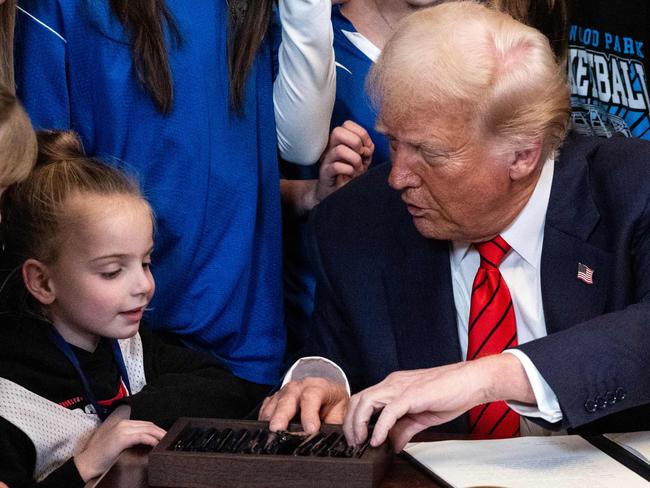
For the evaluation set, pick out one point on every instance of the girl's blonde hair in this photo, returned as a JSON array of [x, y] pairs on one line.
[[33, 210], [17, 140]]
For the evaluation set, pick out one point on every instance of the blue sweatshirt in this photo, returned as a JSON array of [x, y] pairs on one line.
[[211, 176]]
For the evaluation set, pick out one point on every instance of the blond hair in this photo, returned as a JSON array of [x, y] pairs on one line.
[[34, 212], [17, 140], [477, 65]]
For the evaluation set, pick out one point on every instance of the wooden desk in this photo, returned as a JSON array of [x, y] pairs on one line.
[[130, 471]]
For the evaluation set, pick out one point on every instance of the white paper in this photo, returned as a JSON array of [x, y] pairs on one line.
[[557, 462], [638, 443]]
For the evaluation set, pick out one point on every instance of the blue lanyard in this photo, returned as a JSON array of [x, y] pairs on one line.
[[65, 348]]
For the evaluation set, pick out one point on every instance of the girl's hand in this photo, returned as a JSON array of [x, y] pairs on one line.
[[116, 434], [348, 155]]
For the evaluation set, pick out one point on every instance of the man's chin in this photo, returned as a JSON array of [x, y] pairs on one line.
[[430, 230]]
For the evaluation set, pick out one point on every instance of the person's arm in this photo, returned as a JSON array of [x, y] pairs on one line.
[[183, 382], [41, 64], [18, 459], [411, 401], [304, 90]]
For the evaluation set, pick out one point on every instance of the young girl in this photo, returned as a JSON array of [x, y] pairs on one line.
[[78, 238]]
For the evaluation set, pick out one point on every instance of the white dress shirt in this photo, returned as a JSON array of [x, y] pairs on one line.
[[521, 272]]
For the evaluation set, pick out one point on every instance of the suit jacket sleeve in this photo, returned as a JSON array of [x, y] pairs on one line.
[[600, 367]]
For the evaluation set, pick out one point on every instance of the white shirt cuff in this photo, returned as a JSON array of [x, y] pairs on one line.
[[547, 408], [316, 366]]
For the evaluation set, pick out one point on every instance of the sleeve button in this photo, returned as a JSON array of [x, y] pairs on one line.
[[620, 394], [590, 406], [600, 402], [610, 398]]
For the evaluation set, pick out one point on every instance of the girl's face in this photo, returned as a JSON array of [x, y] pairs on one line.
[[101, 280]]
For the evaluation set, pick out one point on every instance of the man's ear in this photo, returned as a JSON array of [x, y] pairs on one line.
[[37, 281], [525, 162]]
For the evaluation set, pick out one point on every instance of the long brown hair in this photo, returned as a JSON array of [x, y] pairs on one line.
[[146, 20], [551, 17], [7, 21]]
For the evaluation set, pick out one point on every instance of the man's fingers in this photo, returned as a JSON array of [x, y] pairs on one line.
[[285, 409], [268, 407], [310, 406], [364, 409], [387, 419], [404, 430], [336, 414]]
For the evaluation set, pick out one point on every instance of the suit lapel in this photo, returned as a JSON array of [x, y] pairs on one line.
[[571, 219], [421, 303]]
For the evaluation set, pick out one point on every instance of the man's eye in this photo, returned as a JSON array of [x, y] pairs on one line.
[[433, 155], [111, 274], [146, 265]]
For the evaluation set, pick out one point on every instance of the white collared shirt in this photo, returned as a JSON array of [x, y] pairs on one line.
[[521, 272]]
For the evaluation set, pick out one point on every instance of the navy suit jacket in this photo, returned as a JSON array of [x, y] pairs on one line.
[[384, 299]]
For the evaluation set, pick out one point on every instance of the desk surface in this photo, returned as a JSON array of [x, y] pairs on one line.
[[130, 471]]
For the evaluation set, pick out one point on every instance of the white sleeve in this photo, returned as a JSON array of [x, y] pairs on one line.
[[318, 367], [547, 408], [304, 89]]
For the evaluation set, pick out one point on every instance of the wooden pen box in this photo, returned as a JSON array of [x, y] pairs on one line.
[[171, 468]]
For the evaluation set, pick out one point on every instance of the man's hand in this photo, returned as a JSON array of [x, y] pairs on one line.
[[316, 398], [348, 155], [411, 401], [114, 436]]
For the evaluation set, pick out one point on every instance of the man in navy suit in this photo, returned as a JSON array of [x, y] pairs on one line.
[[476, 110]]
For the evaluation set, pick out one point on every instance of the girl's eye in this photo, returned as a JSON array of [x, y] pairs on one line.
[[111, 274], [146, 265]]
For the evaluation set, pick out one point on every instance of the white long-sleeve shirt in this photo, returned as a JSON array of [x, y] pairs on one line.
[[304, 90]]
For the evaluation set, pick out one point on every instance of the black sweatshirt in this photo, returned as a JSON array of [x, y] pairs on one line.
[[180, 382]]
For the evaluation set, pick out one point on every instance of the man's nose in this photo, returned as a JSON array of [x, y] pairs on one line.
[[401, 173]]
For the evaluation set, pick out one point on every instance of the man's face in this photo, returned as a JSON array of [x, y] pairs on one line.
[[451, 184]]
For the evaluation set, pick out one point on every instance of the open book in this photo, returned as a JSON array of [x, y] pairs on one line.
[[558, 461]]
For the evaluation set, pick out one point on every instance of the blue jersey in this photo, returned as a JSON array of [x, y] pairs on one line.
[[210, 175], [352, 103]]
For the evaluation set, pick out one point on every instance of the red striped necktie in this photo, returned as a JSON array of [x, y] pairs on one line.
[[492, 328]]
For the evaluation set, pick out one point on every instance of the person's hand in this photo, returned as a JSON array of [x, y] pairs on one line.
[[348, 155], [411, 401], [2, 485], [114, 436], [316, 398]]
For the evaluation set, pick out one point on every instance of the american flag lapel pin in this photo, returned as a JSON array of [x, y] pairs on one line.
[[585, 273]]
